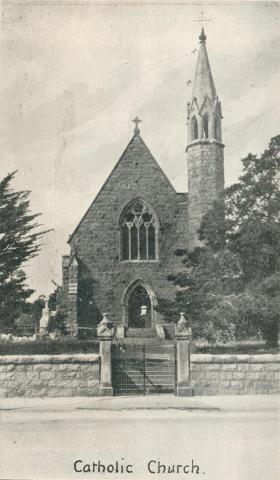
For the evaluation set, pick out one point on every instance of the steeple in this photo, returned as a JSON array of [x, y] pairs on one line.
[[204, 110], [203, 85], [205, 149]]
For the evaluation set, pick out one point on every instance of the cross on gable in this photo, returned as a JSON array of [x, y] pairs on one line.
[[136, 121]]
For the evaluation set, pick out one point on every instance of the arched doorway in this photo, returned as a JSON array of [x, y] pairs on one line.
[[139, 308]]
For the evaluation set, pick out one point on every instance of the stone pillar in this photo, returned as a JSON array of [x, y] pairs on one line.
[[44, 320], [183, 363], [105, 333]]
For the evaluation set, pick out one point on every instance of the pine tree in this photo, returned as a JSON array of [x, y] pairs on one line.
[[19, 242]]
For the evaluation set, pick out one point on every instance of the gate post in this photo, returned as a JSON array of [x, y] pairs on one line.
[[105, 333], [183, 364]]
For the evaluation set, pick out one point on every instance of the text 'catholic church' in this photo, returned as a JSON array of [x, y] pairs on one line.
[[124, 247]]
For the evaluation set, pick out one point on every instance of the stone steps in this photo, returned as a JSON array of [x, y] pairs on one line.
[[139, 341], [141, 333]]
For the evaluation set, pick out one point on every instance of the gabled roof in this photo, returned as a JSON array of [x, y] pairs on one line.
[[136, 144]]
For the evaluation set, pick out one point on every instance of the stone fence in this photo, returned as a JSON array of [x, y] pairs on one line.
[[49, 375], [235, 374], [80, 375]]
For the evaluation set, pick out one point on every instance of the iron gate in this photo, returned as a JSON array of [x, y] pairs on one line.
[[143, 368]]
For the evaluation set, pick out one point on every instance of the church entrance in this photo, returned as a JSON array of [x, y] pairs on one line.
[[139, 308], [143, 369]]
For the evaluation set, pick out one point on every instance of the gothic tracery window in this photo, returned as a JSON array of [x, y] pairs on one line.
[[139, 228]]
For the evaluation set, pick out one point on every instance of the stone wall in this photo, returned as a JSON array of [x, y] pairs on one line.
[[235, 374], [78, 375], [49, 375], [205, 182]]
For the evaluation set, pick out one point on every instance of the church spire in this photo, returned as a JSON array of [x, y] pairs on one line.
[[203, 85], [205, 149], [204, 110]]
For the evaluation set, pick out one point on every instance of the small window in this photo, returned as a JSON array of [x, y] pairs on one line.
[[205, 125], [217, 132], [138, 227], [194, 128]]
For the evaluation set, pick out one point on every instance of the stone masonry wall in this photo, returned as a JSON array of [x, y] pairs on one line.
[[235, 374], [205, 182], [78, 375], [49, 375]]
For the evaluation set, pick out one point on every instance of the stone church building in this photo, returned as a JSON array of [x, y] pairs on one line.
[[123, 249]]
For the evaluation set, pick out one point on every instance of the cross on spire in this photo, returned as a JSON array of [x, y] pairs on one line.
[[202, 19], [136, 121]]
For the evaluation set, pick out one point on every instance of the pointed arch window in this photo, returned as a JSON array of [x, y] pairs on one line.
[[194, 128], [217, 129], [139, 232], [205, 127]]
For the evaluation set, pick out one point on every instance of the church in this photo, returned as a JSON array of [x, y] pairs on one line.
[[123, 249]]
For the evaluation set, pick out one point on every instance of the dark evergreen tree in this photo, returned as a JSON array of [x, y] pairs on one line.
[[19, 242]]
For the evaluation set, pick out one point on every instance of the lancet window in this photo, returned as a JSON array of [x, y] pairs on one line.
[[194, 128], [217, 128], [205, 125]]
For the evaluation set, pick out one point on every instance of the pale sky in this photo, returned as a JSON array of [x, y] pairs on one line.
[[74, 76]]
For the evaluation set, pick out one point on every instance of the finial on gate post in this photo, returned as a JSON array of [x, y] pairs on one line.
[[105, 328], [182, 329]]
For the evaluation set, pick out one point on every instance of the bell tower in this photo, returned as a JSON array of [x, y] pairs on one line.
[[205, 150]]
